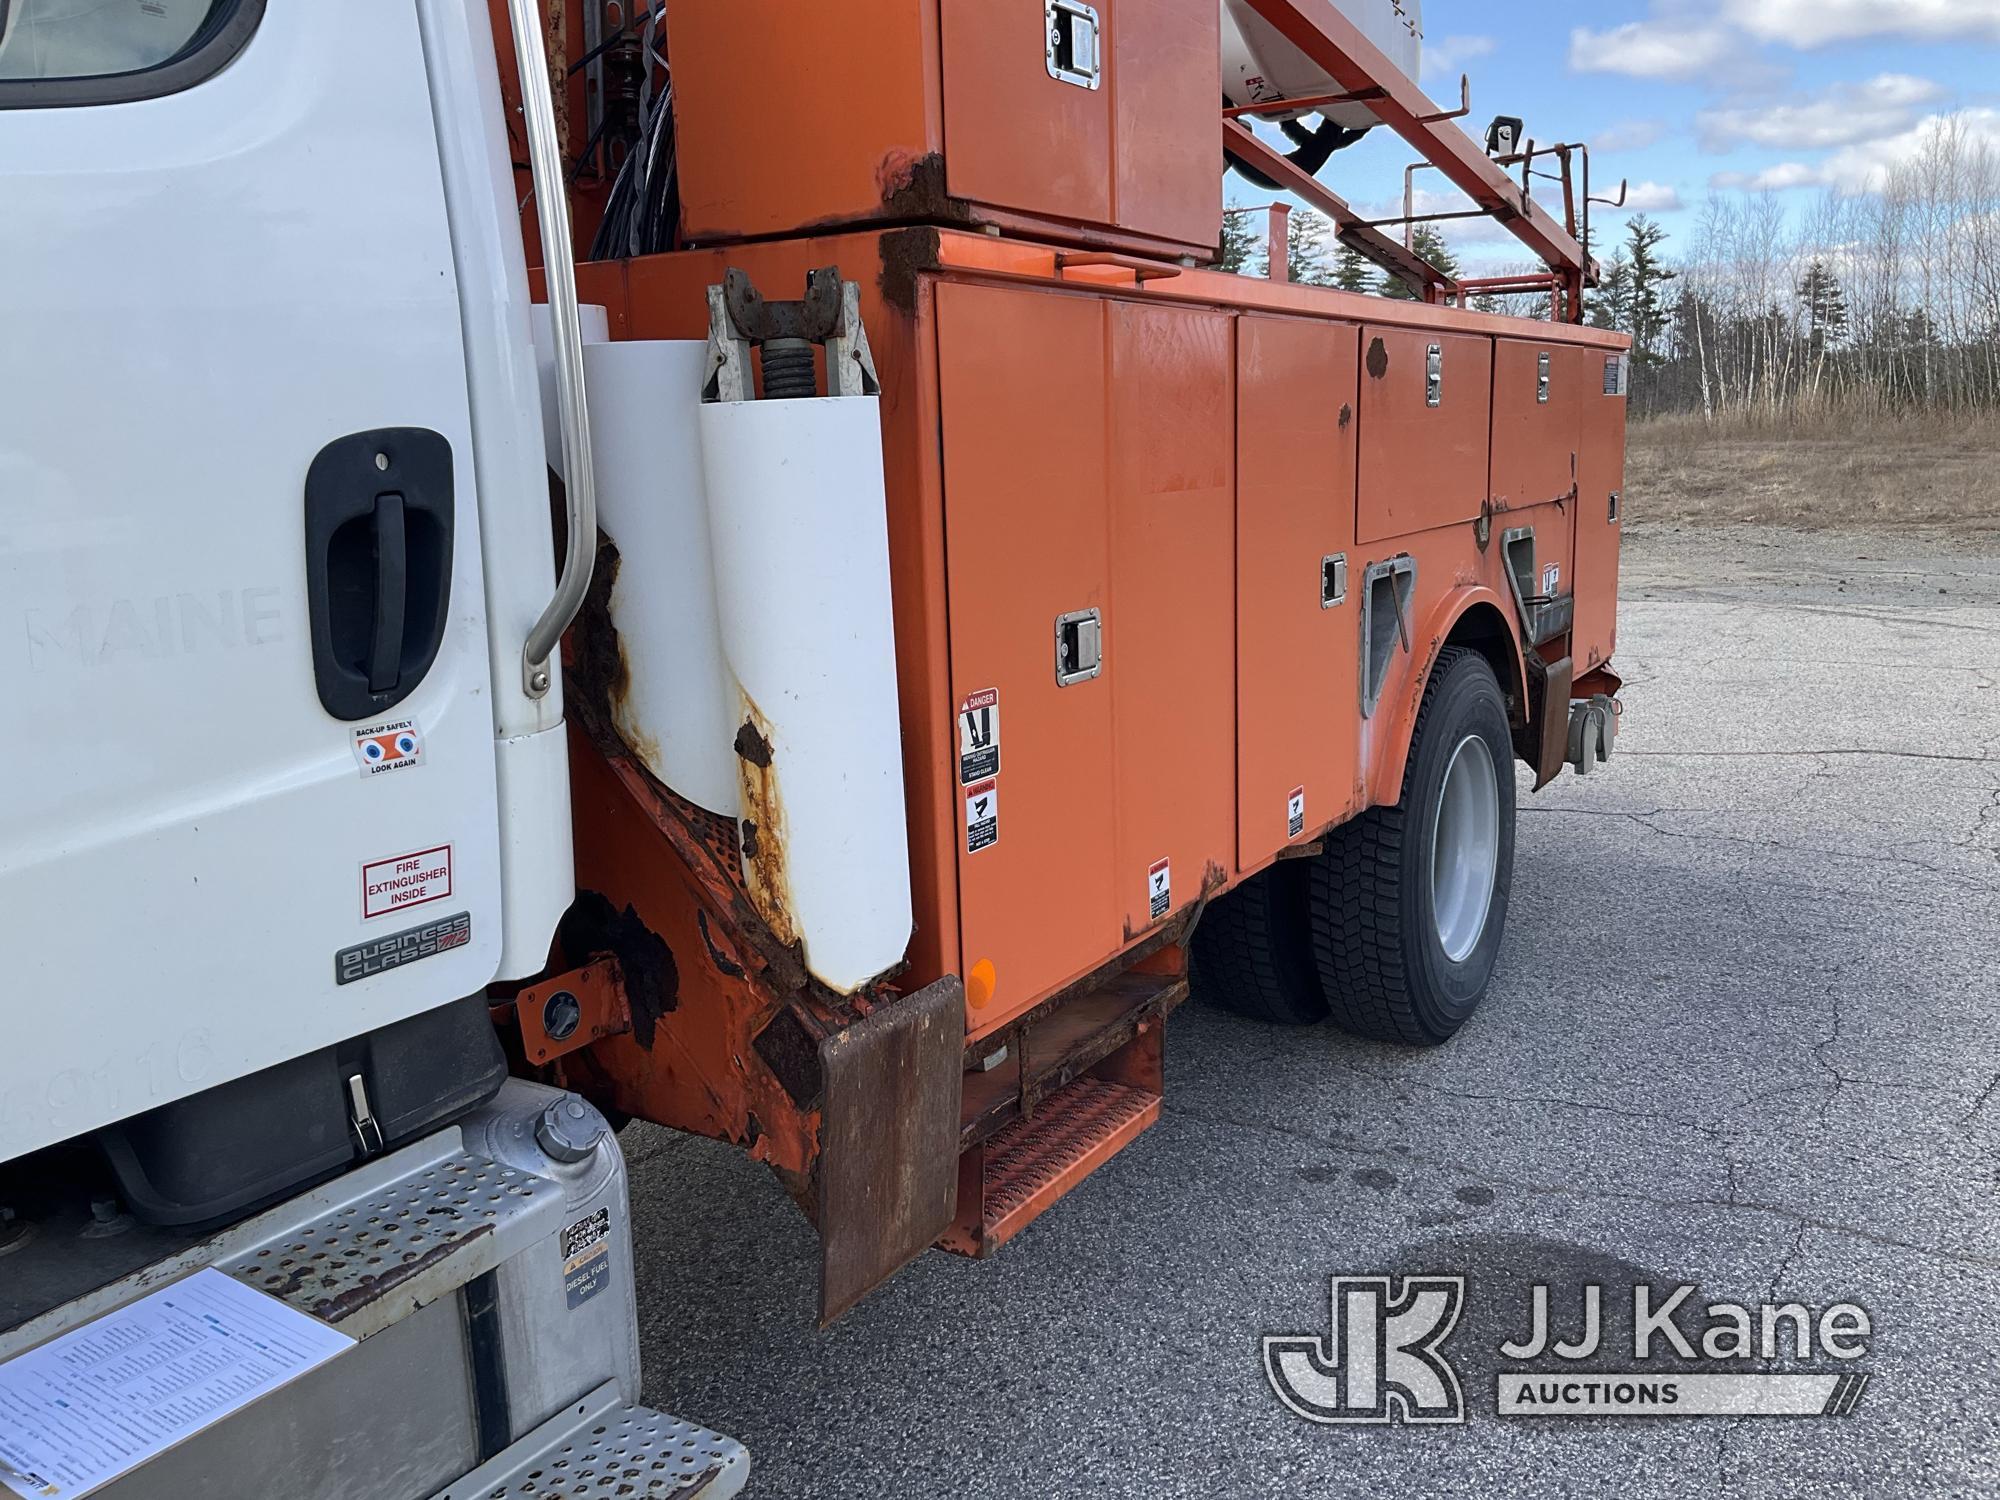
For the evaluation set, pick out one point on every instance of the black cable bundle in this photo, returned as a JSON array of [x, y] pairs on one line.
[[642, 215]]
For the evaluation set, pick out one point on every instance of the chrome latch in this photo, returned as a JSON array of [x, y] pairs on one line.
[[1542, 378], [1434, 376], [1333, 580], [1079, 646], [361, 1117], [1074, 52]]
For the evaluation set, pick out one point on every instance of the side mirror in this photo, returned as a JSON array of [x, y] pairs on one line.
[[1504, 135]]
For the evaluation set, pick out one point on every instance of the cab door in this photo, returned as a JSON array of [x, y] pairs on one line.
[[249, 804]]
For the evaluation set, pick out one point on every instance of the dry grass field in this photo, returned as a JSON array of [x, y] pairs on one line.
[[1816, 470]]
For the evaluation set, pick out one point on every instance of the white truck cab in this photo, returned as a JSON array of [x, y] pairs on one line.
[[281, 802]]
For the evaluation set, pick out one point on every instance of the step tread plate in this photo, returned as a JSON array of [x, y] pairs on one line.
[[410, 1239], [602, 1449], [1032, 1162]]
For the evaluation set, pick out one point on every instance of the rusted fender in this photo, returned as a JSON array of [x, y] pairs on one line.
[[1394, 724]]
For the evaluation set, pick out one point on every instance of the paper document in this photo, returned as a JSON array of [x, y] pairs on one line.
[[83, 1409]]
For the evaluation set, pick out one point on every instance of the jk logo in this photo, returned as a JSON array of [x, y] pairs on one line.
[[1380, 1362]]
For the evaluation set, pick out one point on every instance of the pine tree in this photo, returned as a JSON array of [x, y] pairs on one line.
[[1647, 319], [1353, 271], [1238, 242], [1611, 305], [1431, 245], [1823, 305], [1305, 248]]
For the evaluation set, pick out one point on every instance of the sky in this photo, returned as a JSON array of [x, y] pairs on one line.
[[1689, 97]]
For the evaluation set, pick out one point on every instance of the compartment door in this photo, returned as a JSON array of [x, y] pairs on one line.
[[1537, 431], [1423, 448], [1600, 475], [1022, 383], [1297, 726], [1016, 136], [1170, 632]]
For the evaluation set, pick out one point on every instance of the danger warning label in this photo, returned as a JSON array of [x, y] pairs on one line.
[[1295, 813], [1160, 889], [390, 885], [982, 816], [388, 747], [979, 737]]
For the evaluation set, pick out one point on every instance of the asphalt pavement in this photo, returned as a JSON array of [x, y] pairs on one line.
[[1745, 1035]]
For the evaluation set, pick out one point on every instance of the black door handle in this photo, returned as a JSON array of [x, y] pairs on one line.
[[378, 534], [392, 587]]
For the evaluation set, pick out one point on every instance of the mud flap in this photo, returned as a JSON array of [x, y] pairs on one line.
[[1543, 741], [888, 1158]]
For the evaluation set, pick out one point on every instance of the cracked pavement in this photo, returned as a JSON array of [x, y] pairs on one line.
[[1745, 1034]]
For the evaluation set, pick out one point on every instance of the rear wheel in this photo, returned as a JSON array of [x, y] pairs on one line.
[[1408, 903], [1253, 950]]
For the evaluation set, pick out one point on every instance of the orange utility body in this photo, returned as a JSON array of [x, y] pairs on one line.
[[1074, 420]]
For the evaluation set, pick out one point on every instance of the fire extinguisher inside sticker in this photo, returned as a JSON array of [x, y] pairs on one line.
[[979, 737], [982, 816], [1295, 813], [1160, 889]]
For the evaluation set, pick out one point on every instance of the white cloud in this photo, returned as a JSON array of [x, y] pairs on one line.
[[1653, 49], [1651, 198], [1843, 115], [1448, 57], [1629, 135], [1865, 168], [1815, 23], [1785, 175]]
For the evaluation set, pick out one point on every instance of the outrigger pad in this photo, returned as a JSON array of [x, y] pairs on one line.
[[888, 1155]]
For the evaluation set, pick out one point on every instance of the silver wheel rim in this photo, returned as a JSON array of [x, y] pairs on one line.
[[1465, 848]]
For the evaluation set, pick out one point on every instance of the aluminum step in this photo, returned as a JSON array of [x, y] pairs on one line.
[[601, 1448], [1029, 1163]]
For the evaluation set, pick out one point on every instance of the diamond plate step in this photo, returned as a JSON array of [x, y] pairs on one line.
[[1032, 1162], [602, 1449], [406, 1234]]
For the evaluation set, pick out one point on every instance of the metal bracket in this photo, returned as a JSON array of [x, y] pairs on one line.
[[1434, 375], [1542, 378], [739, 318]]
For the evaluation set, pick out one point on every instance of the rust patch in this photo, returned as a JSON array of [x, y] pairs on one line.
[[790, 1050], [652, 978], [753, 746], [1378, 360], [716, 956], [906, 255], [763, 832], [913, 187], [355, 1298]]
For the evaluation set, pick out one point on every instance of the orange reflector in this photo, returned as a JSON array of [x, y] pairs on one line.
[[980, 981]]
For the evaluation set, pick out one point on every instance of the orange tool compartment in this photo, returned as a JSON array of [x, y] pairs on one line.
[[1537, 437], [1600, 512], [1426, 399], [1183, 456], [1297, 573], [958, 111]]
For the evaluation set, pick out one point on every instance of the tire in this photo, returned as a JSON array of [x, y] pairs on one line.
[[1253, 950], [1401, 959]]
